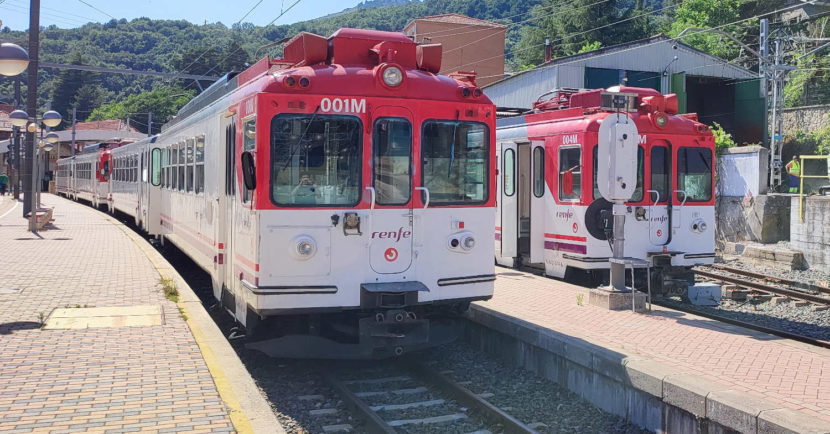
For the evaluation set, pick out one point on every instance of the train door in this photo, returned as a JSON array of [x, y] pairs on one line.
[[659, 220], [225, 206], [536, 195], [392, 197], [152, 201], [508, 218]]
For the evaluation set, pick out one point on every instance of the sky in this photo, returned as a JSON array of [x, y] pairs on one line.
[[75, 13]]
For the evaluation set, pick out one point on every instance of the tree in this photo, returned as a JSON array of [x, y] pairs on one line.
[[710, 14], [66, 86], [163, 102]]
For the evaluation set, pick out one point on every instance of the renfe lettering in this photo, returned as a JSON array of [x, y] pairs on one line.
[[392, 235], [343, 105]]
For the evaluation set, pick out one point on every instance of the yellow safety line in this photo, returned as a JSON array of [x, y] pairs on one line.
[[238, 417]]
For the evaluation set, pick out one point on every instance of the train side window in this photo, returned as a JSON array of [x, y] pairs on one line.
[[155, 166], [248, 144], [660, 173], [230, 159], [200, 164], [570, 174], [539, 171], [182, 163], [694, 174], [174, 166], [509, 170], [189, 170], [169, 181], [392, 155]]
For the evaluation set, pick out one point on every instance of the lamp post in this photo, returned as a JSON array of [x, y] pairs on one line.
[[51, 118], [13, 61]]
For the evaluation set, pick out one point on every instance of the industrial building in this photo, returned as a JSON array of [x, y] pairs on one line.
[[469, 44], [716, 90]]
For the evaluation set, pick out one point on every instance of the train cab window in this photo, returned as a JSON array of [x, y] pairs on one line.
[[539, 171], [660, 170], [509, 171], [454, 161], [391, 154], [199, 182], [570, 174], [637, 196], [694, 174], [316, 160], [189, 153]]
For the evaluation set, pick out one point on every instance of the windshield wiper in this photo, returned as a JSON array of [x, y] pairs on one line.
[[300, 140], [452, 149]]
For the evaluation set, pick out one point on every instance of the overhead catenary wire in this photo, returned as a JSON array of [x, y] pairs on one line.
[[99, 10], [557, 64]]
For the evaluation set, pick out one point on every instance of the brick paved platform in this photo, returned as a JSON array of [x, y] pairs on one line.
[[150, 377], [731, 372]]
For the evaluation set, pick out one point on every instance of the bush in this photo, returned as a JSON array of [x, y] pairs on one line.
[[723, 139]]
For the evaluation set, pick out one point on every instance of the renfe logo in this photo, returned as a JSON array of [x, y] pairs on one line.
[[391, 254], [392, 235], [343, 105], [565, 215]]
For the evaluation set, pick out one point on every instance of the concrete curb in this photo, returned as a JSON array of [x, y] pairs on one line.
[[646, 392], [248, 409]]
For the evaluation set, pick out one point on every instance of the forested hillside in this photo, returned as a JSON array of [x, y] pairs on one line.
[[214, 49]]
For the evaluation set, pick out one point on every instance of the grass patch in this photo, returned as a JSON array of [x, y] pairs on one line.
[[181, 314], [170, 290]]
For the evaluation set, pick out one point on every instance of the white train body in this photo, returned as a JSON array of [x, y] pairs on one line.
[[550, 213], [372, 208]]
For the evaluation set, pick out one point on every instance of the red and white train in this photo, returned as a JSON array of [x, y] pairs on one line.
[[550, 211], [345, 190]]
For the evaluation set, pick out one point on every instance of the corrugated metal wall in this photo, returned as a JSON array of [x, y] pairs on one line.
[[653, 55]]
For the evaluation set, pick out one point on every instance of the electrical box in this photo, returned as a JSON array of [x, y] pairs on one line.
[[617, 157]]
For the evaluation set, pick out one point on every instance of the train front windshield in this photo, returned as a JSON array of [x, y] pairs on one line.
[[455, 162], [316, 160]]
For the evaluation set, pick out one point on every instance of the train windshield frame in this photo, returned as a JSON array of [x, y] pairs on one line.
[[316, 160], [455, 162]]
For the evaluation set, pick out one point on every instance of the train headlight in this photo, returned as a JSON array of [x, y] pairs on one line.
[[661, 120], [392, 76], [304, 247], [469, 243]]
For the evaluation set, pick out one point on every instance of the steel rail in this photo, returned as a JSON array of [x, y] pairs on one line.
[[374, 423], [464, 396], [763, 287], [749, 325], [790, 282]]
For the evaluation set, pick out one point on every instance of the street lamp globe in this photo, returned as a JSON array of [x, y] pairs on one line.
[[19, 118], [52, 118], [52, 137], [47, 147], [13, 59], [32, 127]]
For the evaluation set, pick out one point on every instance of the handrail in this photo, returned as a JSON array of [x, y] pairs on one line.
[[801, 180], [426, 191], [372, 204], [656, 193]]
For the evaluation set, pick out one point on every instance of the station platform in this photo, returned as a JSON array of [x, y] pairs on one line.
[[665, 370], [89, 342]]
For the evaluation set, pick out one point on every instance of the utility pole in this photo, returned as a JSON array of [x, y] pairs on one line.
[[149, 124], [74, 121], [15, 178]]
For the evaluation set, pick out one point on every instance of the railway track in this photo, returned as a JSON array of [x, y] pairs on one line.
[[413, 397], [765, 283], [746, 324]]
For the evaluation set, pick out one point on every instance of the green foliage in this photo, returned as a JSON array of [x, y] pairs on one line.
[[589, 46], [815, 142], [163, 102], [723, 140]]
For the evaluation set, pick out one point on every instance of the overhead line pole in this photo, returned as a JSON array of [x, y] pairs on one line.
[[31, 108]]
